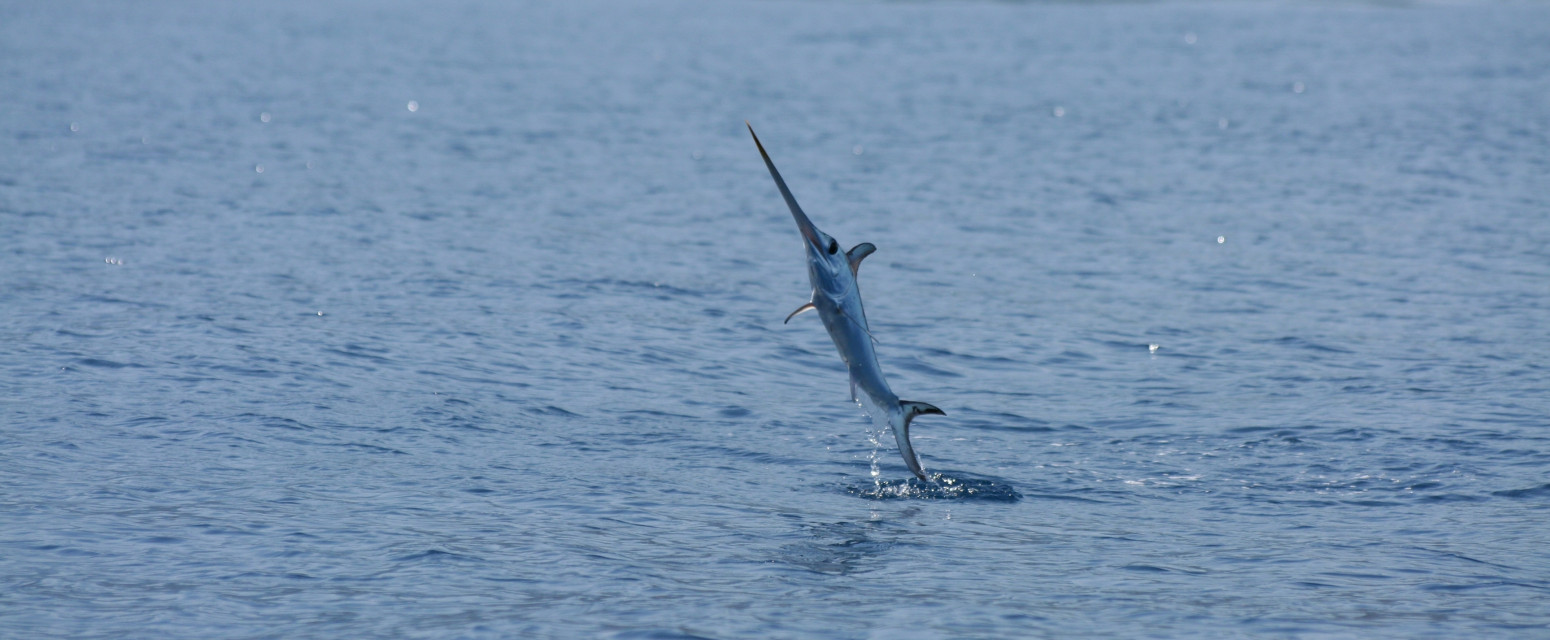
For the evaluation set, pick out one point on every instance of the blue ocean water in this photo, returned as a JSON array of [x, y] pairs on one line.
[[400, 319]]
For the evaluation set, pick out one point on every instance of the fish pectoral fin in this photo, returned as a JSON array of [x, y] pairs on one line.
[[806, 307], [859, 253]]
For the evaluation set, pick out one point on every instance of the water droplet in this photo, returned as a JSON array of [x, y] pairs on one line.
[[263, 117], [1221, 239], [1297, 87], [1189, 38], [1060, 112], [857, 150], [414, 106]]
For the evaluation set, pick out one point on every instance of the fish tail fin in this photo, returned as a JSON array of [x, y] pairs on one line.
[[901, 432], [912, 409]]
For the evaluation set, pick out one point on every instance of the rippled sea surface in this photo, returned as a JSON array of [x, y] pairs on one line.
[[464, 320]]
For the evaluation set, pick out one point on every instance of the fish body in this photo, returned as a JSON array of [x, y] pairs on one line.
[[837, 299]]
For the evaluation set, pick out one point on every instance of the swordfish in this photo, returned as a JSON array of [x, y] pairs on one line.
[[837, 299]]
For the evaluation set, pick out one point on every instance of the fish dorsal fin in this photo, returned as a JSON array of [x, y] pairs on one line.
[[857, 254], [806, 307]]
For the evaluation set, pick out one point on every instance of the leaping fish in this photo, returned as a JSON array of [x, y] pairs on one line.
[[837, 299]]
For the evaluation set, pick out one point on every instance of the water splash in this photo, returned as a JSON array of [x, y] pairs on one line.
[[939, 487], [878, 434]]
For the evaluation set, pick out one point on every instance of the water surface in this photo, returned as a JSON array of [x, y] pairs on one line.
[[428, 320]]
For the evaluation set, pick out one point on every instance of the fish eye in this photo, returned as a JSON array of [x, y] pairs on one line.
[[834, 247]]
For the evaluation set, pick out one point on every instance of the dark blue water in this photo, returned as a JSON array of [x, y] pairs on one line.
[[464, 320]]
